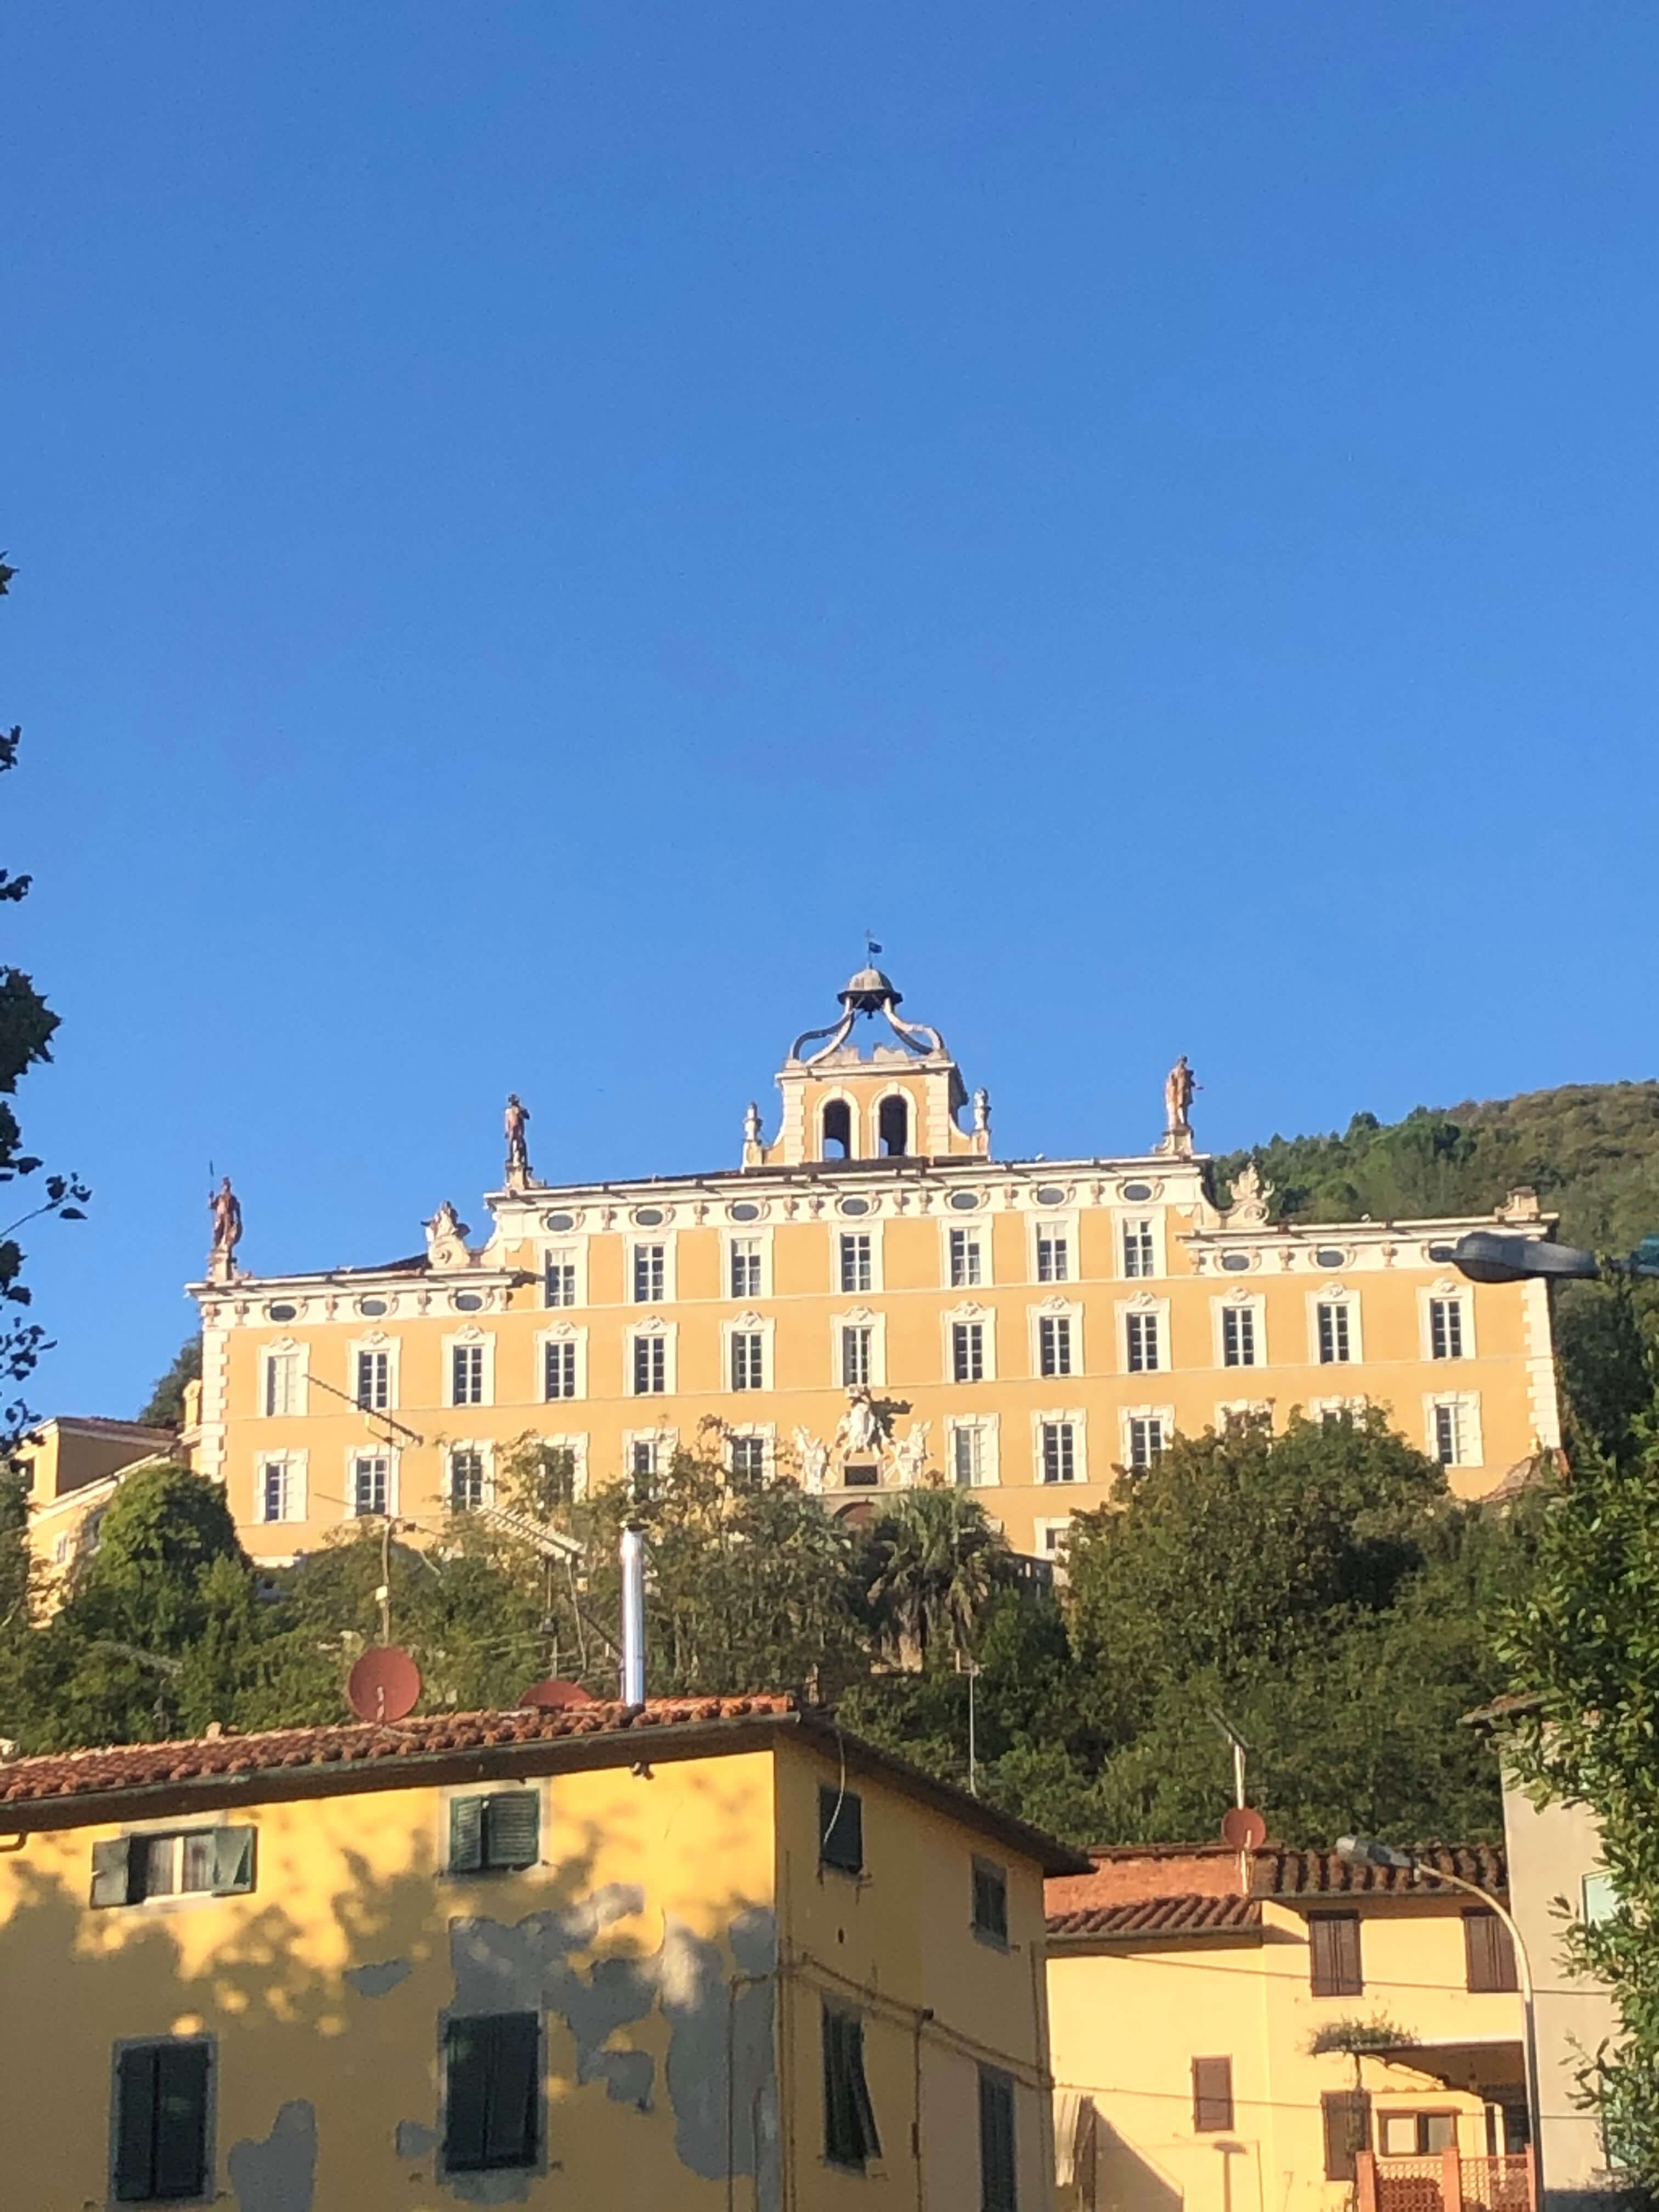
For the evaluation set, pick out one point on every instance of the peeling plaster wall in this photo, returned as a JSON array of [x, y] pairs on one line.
[[280, 2174]]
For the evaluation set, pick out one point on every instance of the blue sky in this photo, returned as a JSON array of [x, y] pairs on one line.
[[538, 524]]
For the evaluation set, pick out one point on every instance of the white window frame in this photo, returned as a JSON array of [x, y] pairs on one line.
[[747, 1324], [1066, 1224], [1122, 1218], [287, 1348], [1335, 1294], [1467, 1406], [486, 1451], [861, 1318], [1057, 1526], [668, 1294], [1054, 1309], [1158, 1309], [987, 1428], [1242, 1409], [871, 1227], [575, 1247], [391, 1454], [1163, 1415], [564, 1331], [1320, 1409], [654, 1325], [969, 1309], [295, 1504], [576, 1444], [747, 1232], [763, 1433], [375, 1340], [665, 1443], [1043, 1417], [470, 1339], [1239, 1301], [1457, 1294], [978, 1226]]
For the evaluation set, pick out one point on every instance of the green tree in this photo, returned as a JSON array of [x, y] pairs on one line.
[[165, 1408], [926, 1573]]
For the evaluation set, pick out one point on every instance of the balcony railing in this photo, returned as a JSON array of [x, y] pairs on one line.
[[1445, 2183]]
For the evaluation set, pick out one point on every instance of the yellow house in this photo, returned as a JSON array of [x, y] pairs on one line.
[[713, 1954], [1283, 2033], [869, 1298], [71, 1466]]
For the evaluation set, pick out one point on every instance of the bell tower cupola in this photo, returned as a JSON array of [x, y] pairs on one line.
[[899, 1101]]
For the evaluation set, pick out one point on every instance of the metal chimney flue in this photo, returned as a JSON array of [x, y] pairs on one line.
[[633, 1616]]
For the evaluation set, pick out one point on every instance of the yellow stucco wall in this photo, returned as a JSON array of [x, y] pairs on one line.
[[1129, 2019]]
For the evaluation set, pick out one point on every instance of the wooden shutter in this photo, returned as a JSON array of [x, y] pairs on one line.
[[990, 1900], [181, 2119], [1212, 2096], [1335, 1938], [998, 2187], [863, 2110], [466, 2093], [513, 2086], [1347, 2117], [841, 1828], [1488, 1954], [512, 1829], [840, 2128], [135, 2124], [233, 1861], [111, 1866], [466, 1834]]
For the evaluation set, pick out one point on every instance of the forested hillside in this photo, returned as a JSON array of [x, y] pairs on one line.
[[1590, 1150]]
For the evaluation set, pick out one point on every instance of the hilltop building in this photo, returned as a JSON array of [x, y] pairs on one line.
[[869, 1298]]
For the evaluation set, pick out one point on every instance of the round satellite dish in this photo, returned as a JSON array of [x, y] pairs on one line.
[[1243, 1827], [554, 1694], [384, 1685]]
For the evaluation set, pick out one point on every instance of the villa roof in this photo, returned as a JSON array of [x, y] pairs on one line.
[[1184, 1916], [1290, 1873]]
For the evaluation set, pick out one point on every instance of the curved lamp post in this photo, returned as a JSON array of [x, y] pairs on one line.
[[1366, 1850], [1485, 1255]]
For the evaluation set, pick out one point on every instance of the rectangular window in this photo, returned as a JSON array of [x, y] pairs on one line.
[[494, 1834], [1446, 1327], [1449, 1434], [746, 1360], [968, 1350], [274, 1491], [161, 2121], [855, 1260], [1143, 1349], [1053, 1256], [1598, 1899], [1145, 1439], [997, 2188], [466, 1481], [1347, 2114], [1138, 1259], [281, 1382], [466, 1374], [990, 1900], [559, 1280], [374, 1381], [748, 1458], [1054, 1345], [841, 1830], [1059, 1452], [559, 1368], [191, 1863], [1488, 1954], [1333, 1334], [1416, 2135], [746, 1267], [966, 1267], [1212, 2096], [648, 1273], [643, 1465], [650, 1366], [492, 2092], [369, 1476], [1334, 1959], [855, 1355], [967, 1456], [1237, 1336], [849, 2118]]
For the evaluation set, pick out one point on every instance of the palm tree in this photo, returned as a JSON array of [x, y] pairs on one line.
[[930, 1564]]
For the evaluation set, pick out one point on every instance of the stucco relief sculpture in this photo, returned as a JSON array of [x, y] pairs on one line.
[[1179, 1085], [446, 1239], [981, 1112], [1250, 1195], [814, 1458], [861, 1432], [516, 1123], [226, 1210], [910, 1458]]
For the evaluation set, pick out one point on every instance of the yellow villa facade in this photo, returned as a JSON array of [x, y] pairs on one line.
[[713, 1954], [869, 1298]]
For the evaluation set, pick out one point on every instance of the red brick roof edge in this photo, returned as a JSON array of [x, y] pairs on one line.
[[1161, 1916]]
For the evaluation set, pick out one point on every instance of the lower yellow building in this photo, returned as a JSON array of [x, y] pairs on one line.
[[1281, 2031], [715, 1955]]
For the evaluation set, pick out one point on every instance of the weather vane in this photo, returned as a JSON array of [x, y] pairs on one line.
[[869, 940]]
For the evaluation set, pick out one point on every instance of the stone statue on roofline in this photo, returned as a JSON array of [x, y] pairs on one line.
[[226, 1210], [516, 1123], [1179, 1085]]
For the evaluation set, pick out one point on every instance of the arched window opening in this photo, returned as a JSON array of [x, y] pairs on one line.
[[837, 1130], [893, 1125]]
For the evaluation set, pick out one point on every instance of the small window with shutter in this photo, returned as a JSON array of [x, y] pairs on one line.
[[1212, 2096], [1333, 1939], [990, 1901], [187, 1863], [1488, 1954], [161, 2121], [849, 2118], [999, 2188], [1347, 2114], [494, 1834], [841, 1830], [492, 2092]]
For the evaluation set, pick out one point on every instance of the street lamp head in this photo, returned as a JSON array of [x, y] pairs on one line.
[[1366, 1850], [1484, 1256]]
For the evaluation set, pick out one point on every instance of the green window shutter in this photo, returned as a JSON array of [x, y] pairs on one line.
[[996, 2140], [512, 1829], [838, 2125], [135, 2124], [990, 1900], [112, 1864], [233, 1861], [863, 2111], [514, 2090], [841, 1830], [181, 2119], [466, 2092], [466, 1834]]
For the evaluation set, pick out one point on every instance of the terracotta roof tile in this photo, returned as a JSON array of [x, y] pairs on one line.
[[1161, 1916], [1321, 1873], [136, 1766]]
